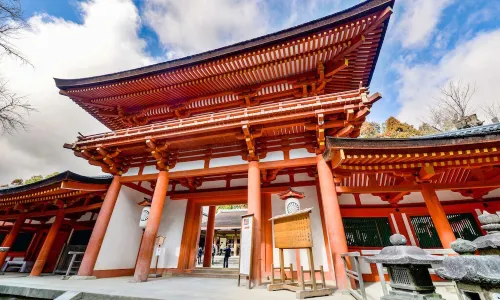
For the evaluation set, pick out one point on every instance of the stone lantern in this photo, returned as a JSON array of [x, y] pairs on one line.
[[489, 244], [408, 268], [4, 249], [477, 276]]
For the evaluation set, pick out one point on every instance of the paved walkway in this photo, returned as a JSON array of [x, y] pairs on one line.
[[174, 288]]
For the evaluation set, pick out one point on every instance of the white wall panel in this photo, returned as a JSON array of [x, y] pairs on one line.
[[123, 236]]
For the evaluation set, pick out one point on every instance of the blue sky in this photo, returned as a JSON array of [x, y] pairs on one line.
[[456, 22], [429, 42]]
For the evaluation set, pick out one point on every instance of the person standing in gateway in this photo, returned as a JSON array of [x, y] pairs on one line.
[[200, 254], [227, 254], [214, 249]]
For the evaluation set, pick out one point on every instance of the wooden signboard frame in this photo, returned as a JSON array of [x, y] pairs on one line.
[[293, 231], [249, 275]]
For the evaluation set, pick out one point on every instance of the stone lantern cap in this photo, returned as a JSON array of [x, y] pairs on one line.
[[490, 223], [475, 269], [400, 254]]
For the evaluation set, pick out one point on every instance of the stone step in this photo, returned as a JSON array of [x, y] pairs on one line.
[[215, 270], [206, 275]]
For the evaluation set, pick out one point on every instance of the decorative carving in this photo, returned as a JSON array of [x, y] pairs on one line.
[[131, 120]]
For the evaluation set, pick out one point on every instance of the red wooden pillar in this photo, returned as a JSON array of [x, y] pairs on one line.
[[100, 227], [11, 237], [148, 241], [254, 207], [333, 219], [47, 244], [267, 235], [443, 228], [209, 237]]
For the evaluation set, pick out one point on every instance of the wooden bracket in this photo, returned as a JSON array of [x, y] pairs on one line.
[[250, 142], [268, 176], [159, 154], [320, 132]]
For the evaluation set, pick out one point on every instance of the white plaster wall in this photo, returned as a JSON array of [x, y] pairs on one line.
[[414, 197], [347, 199], [171, 227], [450, 196], [299, 153], [85, 217], [275, 155], [213, 184], [239, 182], [227, 161], [493, 194], [150, 170], [123, 236], [189, 165], [281, 179], [368, 199], [319, 251], [302, 177], [133, 171]]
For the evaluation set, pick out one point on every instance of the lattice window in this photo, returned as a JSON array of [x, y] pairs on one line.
[[367, 232], [464, 226], [400, 275], [22, 241], [80, 237]]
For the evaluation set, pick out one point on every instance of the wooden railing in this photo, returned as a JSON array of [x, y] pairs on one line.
[[310, 104]]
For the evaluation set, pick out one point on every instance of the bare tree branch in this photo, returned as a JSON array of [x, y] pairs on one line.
[[12, 24], [13, 110], [492, 110], [453, 107]]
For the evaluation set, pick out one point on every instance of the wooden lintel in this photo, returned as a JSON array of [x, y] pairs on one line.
[[416, 187], [90, 187], [50, 213], [279, 164]]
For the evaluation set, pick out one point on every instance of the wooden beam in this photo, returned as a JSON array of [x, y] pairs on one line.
[[138, 188], [416, 187], [279, 164], [51, 213], [426, 172], [72, 185]]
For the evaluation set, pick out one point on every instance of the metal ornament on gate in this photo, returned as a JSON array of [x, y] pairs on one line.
[[144, 217], [292, 204]]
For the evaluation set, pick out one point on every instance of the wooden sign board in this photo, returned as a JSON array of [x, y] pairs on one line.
[[246, 247], [293, 231]]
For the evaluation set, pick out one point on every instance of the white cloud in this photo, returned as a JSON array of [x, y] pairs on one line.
[[475, 60], [417, 21], [106, 41], [189, 27]]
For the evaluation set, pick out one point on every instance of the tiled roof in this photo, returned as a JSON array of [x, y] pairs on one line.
[[473, 131], [363, 8], [480, 134], [67, 175]]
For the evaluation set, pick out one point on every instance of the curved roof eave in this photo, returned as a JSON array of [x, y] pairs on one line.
[[479, 134], [296, 31], [66, 175]]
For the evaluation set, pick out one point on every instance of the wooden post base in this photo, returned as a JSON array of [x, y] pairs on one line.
[[300, 293]]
